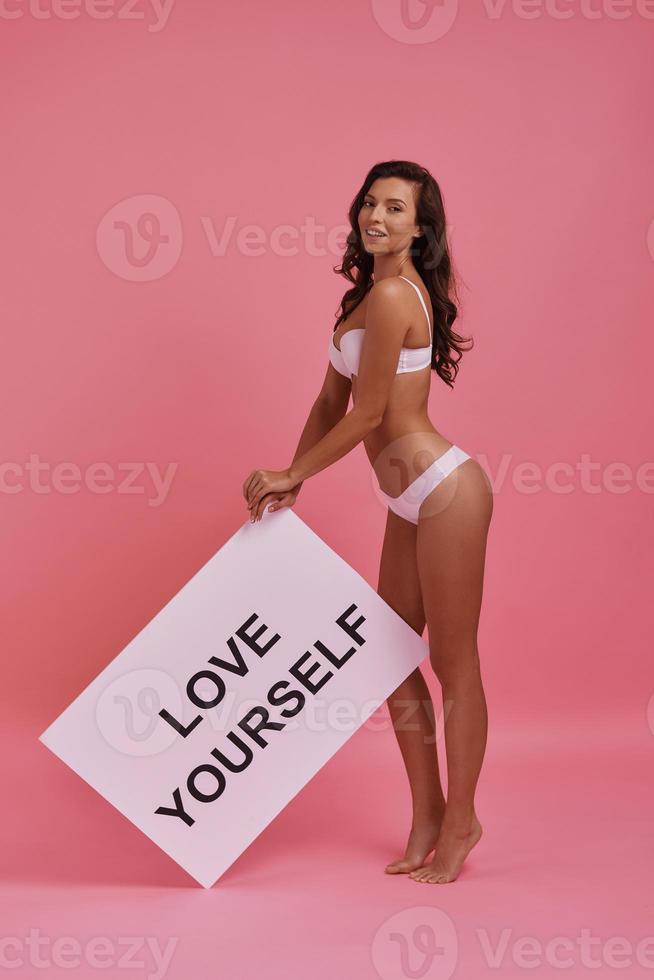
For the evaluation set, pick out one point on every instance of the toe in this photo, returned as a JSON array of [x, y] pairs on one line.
[[432, 875], [403, 866]]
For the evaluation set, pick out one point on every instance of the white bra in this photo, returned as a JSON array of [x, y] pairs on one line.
[[346, 360]]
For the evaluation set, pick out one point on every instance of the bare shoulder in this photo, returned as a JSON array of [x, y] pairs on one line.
[[389, 297], [390, 289], [394, 293]]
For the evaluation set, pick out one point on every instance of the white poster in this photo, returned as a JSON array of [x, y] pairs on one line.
[[218, 712]]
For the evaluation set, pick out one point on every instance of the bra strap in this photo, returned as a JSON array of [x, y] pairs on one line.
[[422, 302]]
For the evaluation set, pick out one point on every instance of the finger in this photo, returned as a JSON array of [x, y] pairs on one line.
[[247, 481], [257, 511], [259, 508], [252, 481], [282, 501], [258, 497], [256, 486], [269, 506], [257, 491]]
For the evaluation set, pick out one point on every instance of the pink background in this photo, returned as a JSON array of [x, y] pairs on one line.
[[269, 115]]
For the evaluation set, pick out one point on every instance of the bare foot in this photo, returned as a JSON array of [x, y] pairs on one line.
[[452, 849], [422, 841]]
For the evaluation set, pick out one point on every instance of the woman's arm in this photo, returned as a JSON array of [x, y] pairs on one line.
[[382, 340], [386, 327], [340, 440], [322, 417], [327, 410]]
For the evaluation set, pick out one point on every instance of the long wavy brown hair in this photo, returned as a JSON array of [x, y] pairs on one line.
[[431, 257]]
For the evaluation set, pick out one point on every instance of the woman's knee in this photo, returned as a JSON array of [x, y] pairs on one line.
[[454, 660], [413, 686]]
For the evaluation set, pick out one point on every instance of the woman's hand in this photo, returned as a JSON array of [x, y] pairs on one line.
[[275, 501], [261, 482]]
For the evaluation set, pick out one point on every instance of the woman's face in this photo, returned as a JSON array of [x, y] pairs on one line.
[[387, 219]]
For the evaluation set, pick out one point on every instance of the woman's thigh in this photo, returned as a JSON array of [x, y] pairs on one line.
[[450, 556], [399, 582]]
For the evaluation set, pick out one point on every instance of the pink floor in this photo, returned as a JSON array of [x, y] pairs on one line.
[[560, 884]]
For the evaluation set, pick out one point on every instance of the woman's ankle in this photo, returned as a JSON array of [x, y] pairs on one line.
[[429, 814], [459, 819]]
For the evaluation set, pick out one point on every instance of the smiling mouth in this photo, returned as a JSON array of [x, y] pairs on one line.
[[372, 233]]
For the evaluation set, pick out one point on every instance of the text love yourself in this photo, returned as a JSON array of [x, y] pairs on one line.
[[310, 673]]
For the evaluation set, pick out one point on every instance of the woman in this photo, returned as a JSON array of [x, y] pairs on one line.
[[394, 326]]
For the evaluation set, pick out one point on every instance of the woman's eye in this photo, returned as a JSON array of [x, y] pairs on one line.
[[370, 204]]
